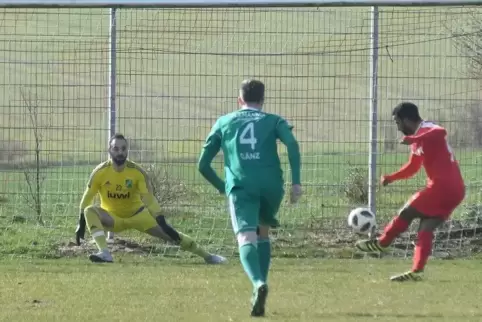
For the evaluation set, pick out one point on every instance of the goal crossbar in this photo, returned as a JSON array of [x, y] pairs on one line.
[[226, 3]]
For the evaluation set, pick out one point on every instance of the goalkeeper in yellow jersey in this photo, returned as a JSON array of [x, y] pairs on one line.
[[126, 203]]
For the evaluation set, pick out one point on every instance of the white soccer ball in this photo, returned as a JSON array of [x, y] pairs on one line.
[[362, 221]]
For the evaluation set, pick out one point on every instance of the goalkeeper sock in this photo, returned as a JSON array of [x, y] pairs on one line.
[[96, 229], [264, 253], [188, 244], [423, 249], [250, 261], [397, 226]]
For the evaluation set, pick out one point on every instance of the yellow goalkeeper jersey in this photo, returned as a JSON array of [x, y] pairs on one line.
[[121, 193]]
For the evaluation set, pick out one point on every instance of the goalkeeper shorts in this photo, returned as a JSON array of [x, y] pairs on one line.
[[141, 220]]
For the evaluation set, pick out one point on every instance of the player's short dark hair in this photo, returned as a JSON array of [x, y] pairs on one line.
[[407, 111], [252, 91], [117, 136]]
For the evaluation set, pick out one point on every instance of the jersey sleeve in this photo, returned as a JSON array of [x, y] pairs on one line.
[[285, 134], [409, 169], [147, 192], [93, 186], [211, 147]]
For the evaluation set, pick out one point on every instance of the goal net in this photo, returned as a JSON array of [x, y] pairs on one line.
[[177, 70]]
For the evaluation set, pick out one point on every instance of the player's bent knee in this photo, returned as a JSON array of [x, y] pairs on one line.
[[247, 237], [91, 212], [91, 209], [106, 220]]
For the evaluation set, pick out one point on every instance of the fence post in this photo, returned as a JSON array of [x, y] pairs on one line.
[[372, 159], [112, 78]]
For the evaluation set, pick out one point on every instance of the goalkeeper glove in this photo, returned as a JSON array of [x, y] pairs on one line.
[[80, 231]]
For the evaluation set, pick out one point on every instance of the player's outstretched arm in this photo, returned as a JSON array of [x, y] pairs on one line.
[[408, 170], [210, 150], [88, 196], [87, 199], [285, 134]]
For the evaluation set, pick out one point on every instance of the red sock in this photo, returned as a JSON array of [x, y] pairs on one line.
[[423, 249], [397, 226]]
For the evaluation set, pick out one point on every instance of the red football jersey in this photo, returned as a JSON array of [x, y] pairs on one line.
[[429, 147]]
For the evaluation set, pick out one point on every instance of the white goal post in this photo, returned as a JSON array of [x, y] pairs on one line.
[[340, 63]]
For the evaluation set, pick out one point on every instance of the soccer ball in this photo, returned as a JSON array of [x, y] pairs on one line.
[[362, 221]]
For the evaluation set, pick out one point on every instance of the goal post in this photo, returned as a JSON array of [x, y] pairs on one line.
[[74, 72]]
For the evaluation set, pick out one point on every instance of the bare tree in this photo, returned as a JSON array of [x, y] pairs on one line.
[[33, 172], [167, 189], [466, 33], [467, 36]]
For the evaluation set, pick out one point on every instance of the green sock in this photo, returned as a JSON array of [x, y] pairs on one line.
[[250, 261], [264, 253]]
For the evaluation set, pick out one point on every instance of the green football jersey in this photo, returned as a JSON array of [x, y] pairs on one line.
[[248, 138]]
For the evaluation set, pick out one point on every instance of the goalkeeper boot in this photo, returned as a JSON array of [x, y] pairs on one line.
[[259, 300], [215, 259], [103, 256], [370, 246], [407, 276]]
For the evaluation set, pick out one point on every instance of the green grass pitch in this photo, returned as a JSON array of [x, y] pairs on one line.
[[331, 290], [177, 70]]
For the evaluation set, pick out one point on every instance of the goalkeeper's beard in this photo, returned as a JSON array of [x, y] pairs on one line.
[[119, 160]]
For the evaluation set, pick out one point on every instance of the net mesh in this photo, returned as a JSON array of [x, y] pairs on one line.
[[179, 69]]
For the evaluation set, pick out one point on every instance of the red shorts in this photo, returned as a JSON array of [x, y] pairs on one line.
[[437, 201]]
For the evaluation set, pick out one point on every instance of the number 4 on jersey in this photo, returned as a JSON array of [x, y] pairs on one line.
[[247, 136]]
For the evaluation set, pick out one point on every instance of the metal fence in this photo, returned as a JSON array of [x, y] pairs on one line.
[[71, 77]]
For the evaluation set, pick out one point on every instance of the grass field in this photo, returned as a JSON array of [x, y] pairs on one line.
[[177, 70], [312, 290]]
